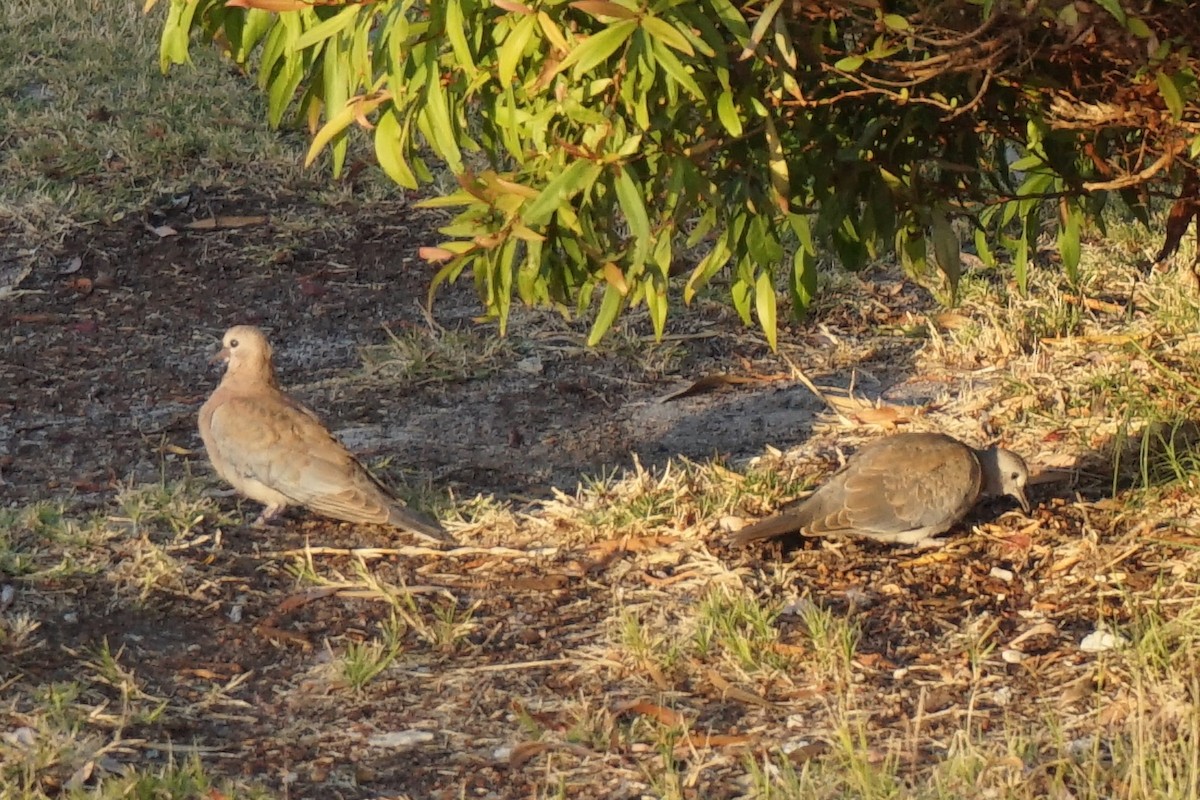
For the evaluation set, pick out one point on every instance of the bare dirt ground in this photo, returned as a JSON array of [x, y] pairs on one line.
[[536, 660]]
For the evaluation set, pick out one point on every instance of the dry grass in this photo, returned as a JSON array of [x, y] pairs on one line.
[[604, 643]]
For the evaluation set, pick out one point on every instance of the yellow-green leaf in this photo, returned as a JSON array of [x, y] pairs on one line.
[[849, 63], [777, 163], [336, 124], [1170, 94], [513, 48], [324, 30], [668, 34], [727, 113], [456, 32], [675, 68], [656, 304], [761, 26], [764, 306], [629, 196], [390, 142], [609, 306], [437, 114], [579, 175], [598, 47], [1068, 241], [553, 34]]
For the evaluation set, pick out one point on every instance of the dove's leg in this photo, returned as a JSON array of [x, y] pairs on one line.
[[268, 515], [932, 543]]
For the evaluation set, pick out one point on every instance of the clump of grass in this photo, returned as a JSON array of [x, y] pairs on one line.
[[362, 662], [174, 506], [740, 625], [418, 356]]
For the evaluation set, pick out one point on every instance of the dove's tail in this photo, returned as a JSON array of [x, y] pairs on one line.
[[416, 522], [767, 529]]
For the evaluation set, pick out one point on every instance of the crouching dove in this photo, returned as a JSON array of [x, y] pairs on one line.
[[901, 489], [274, 450]]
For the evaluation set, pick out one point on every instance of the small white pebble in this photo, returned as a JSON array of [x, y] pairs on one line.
[[730, 523], [1001, 574], [1002, 696], [1100, 640], [1012, 656]]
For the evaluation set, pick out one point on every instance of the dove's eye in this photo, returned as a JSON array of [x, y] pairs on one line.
[[1014, 476], [233, 343]]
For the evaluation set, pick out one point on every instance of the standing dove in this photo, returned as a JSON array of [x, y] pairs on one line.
[[274, 450], [901, 489]]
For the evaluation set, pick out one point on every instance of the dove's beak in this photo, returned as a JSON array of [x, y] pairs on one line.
[[1019, 494], [221, 356]]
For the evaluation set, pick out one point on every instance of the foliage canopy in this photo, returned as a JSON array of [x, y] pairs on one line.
[[595, 140]]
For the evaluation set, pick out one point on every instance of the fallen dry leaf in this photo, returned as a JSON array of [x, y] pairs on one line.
[[218, 223], [656, 712]]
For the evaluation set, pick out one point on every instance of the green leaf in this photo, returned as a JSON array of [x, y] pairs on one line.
[[1026, 163], [513, 48], [732, 19], [803, 231], [629, 196], [336, 88], [327, 29], [712, 262], [764, 306], [391, 140], [1170, 94], [727, 113], [982, 248], [946, 249], [173, 47], [456, 32], [849, 63], [1139, 28], [437, 114], [761, 25], [596, 49], [777, 164], [675, 68], [665, 32], [578, 176], [911, 247], [742, 291], [609, 307], [896, 22], [802, 282], [1068, 241], [505, 271], [656, 305], [1113, 7]]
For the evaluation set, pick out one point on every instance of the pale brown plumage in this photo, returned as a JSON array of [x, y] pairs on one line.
[[274, 450], [901, 489]]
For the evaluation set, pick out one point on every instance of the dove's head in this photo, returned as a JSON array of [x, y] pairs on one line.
[[248, 354], [1005, 473]]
